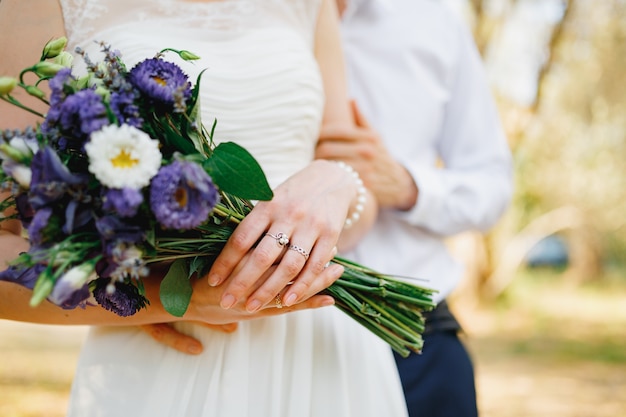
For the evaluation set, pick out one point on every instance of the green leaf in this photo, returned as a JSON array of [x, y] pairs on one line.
[[164, 128], [175, 291], [176, 140], [235, 171], [200, 265]]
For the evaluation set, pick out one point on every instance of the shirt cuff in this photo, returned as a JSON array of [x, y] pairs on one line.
[[430, 197]]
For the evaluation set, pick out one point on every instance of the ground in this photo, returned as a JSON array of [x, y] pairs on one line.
[[545, 349]]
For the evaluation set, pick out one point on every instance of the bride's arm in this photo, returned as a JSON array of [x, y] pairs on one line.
[[204, 307], [337, 110]]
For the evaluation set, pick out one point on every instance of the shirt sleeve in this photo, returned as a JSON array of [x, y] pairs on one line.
[[473, 186]]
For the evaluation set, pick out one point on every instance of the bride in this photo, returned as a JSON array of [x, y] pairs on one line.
[[274, 75]]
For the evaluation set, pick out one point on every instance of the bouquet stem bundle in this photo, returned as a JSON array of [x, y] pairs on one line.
[[388, 306]]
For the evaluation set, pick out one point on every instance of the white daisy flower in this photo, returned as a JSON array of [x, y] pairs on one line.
[[123, 156]]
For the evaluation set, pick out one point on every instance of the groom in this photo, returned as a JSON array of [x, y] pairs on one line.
[[429, 144]]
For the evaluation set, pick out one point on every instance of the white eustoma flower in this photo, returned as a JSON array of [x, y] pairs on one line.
[[15, 155], [72, 281], [20, 173], [27, 146], [123, 156]]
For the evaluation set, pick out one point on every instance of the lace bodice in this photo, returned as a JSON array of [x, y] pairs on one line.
[[261, 83], [83, 18]]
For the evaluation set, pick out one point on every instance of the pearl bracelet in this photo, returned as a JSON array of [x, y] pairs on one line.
[[361, 195]]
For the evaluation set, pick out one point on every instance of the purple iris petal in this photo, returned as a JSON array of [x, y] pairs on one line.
[[112, 228], [51, 179], [124, 202], [66, 296], [161, 81], [76, 215], [36, 229], [182, 195], [124, 301], [24, 276], [24, 209]]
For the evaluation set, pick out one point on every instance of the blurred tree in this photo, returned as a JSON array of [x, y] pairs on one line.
[[563, 103]]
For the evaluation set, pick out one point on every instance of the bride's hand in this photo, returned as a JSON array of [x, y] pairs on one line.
[[167, 335], [204, 310], [204, 305], [297, 231]]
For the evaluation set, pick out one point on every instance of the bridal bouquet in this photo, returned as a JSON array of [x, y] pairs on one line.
[[122, 174]]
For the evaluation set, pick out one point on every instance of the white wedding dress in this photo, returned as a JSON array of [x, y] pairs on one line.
[[263, 86]]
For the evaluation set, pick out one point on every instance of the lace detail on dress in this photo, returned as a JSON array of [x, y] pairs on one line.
[[84, 18], [78, 14], [214, 15]]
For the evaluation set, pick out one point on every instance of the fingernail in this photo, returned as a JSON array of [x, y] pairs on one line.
[[253, 306], [227, 301], [194, 349], [337, 269], [214, 280], [291, 299]]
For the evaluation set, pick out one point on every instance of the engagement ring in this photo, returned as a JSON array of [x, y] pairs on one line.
[[278, 302], [281, 238]]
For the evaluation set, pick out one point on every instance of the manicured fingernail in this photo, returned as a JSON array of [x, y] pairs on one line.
[[214, 280], [337, 269], [227, 301], [291, 299], [253, 306], [194, 349]]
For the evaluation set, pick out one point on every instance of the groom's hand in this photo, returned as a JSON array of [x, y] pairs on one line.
[[361, 147], [165, 334]]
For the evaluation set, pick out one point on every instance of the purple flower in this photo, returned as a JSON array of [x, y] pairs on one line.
[[37, 230], [121, 298], [124, 202], [182, 195], [24, 209], [51, 179], [164, 82], [21, 275], [72, 289], [112, 228], [58, 93], [122, 260], [77, 215], [83, 113], [70, 299], [124, 107], [72, 115]]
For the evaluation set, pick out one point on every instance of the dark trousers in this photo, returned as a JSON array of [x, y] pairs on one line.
[[439, 382]]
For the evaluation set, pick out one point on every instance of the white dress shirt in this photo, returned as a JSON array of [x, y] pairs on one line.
[[416, 75]]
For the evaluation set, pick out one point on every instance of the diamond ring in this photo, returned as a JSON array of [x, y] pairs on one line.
[[281, 239]]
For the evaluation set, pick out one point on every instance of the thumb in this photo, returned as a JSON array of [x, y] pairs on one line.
[[359, 119]]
